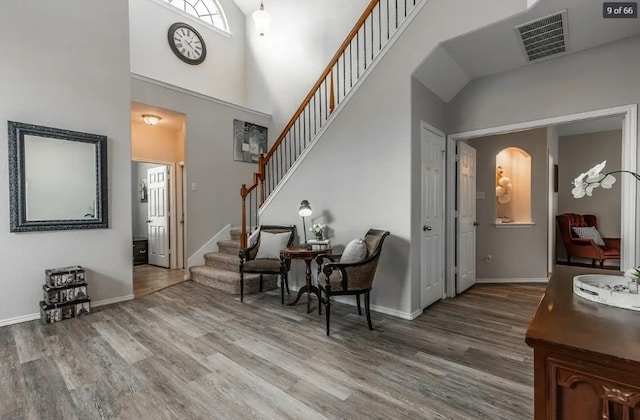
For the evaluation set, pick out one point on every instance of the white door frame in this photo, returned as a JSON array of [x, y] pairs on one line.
[[426, 126], [174, 184], [181, 214], [629, 113]]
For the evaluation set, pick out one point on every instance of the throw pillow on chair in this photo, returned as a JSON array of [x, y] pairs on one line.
[[271, 244], [589, 232], [355, 251]]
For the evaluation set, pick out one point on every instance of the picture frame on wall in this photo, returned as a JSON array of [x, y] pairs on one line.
[[249, 141]]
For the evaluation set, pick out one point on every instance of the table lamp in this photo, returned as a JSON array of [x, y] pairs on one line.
[[304, 211]]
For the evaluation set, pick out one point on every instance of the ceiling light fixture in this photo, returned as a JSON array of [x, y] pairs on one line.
[[261, 19], [151, 119]]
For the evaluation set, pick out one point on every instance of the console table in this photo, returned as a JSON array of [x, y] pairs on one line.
[[586, 355], [307, 255]]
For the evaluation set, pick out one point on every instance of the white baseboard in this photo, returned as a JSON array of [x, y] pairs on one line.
[[33, 317], [380, 309], [351, 301], [111, 301], [19, 319], [514, 280], [587, 261]]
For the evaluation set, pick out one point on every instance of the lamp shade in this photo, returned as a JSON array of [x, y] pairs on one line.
[[305, 209], [262, 20], [151, 119]]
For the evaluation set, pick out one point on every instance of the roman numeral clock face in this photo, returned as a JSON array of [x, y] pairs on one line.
[[186, 43]]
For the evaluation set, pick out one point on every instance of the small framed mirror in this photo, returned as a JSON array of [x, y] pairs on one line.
[[57, 179]]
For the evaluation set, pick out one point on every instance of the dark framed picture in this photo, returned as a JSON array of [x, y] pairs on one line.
[[249, 141], [555, 178]]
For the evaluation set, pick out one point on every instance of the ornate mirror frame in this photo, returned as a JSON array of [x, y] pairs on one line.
[[98, 219]]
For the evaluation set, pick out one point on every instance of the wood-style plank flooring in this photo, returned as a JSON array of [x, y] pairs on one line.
[[150, 278], [191, 352]]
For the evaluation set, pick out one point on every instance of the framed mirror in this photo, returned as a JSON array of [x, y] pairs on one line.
[[57, 179]]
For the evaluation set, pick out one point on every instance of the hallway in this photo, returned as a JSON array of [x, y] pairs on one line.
[[150, 278]]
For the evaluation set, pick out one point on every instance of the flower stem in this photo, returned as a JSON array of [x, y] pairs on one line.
[[635, 175]]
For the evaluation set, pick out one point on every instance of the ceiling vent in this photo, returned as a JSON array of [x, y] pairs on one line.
[[545, 37]]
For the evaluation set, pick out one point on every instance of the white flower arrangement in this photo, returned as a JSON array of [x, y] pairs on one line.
[[587, 181], [318, 230]]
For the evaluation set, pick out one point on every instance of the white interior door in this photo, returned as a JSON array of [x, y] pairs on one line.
[[158, 221], [466, 240], [433, 243]]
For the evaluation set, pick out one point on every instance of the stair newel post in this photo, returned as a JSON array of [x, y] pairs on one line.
[[262, 172], [332, 100], [243, 236]]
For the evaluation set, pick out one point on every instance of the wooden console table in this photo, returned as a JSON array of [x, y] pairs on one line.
[[586, 355]]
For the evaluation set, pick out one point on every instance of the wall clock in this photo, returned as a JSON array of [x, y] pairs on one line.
[[186, 43]]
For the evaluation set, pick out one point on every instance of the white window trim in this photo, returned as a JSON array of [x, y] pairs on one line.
[[195, 19]]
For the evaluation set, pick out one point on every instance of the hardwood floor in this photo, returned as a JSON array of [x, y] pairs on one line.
[[190, 352], [150, 278]]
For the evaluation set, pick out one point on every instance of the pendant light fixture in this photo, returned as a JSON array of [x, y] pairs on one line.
[[261, 19]]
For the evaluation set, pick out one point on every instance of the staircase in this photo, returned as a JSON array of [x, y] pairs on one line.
[[221, 269], [370, 38]]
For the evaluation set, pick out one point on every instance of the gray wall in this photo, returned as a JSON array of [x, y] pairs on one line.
[[376, 127], [598, 78], [518, 252], [208, 157], [579, 153], [78, 80]]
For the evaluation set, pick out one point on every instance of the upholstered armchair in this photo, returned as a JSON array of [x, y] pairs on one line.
[[263, 257], [348, 274], [585, 247]]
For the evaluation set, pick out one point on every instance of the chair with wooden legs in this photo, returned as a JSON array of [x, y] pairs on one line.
[[351, 278], [250, 264]]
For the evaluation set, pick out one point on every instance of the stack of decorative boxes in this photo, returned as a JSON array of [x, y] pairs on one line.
[[65, 294]]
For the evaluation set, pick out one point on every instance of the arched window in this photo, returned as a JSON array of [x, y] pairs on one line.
[[207, 10], [513, 186]]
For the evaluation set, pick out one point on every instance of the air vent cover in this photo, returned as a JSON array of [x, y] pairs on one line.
[[545, 37]]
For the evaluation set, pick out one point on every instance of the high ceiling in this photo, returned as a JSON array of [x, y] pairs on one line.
[[249, 6], [496, 48]]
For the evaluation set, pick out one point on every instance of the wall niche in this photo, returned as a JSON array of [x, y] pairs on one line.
[[513, 186]]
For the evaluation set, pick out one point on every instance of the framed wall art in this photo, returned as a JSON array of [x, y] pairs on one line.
[[249, 141]]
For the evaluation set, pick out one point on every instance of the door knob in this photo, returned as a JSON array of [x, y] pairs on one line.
[[476, 224], [426, 228]]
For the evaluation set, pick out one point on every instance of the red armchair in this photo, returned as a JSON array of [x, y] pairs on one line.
[[585, 248]]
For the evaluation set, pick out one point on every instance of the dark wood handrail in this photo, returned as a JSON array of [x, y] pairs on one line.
[[259, 177], [322, 78]]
